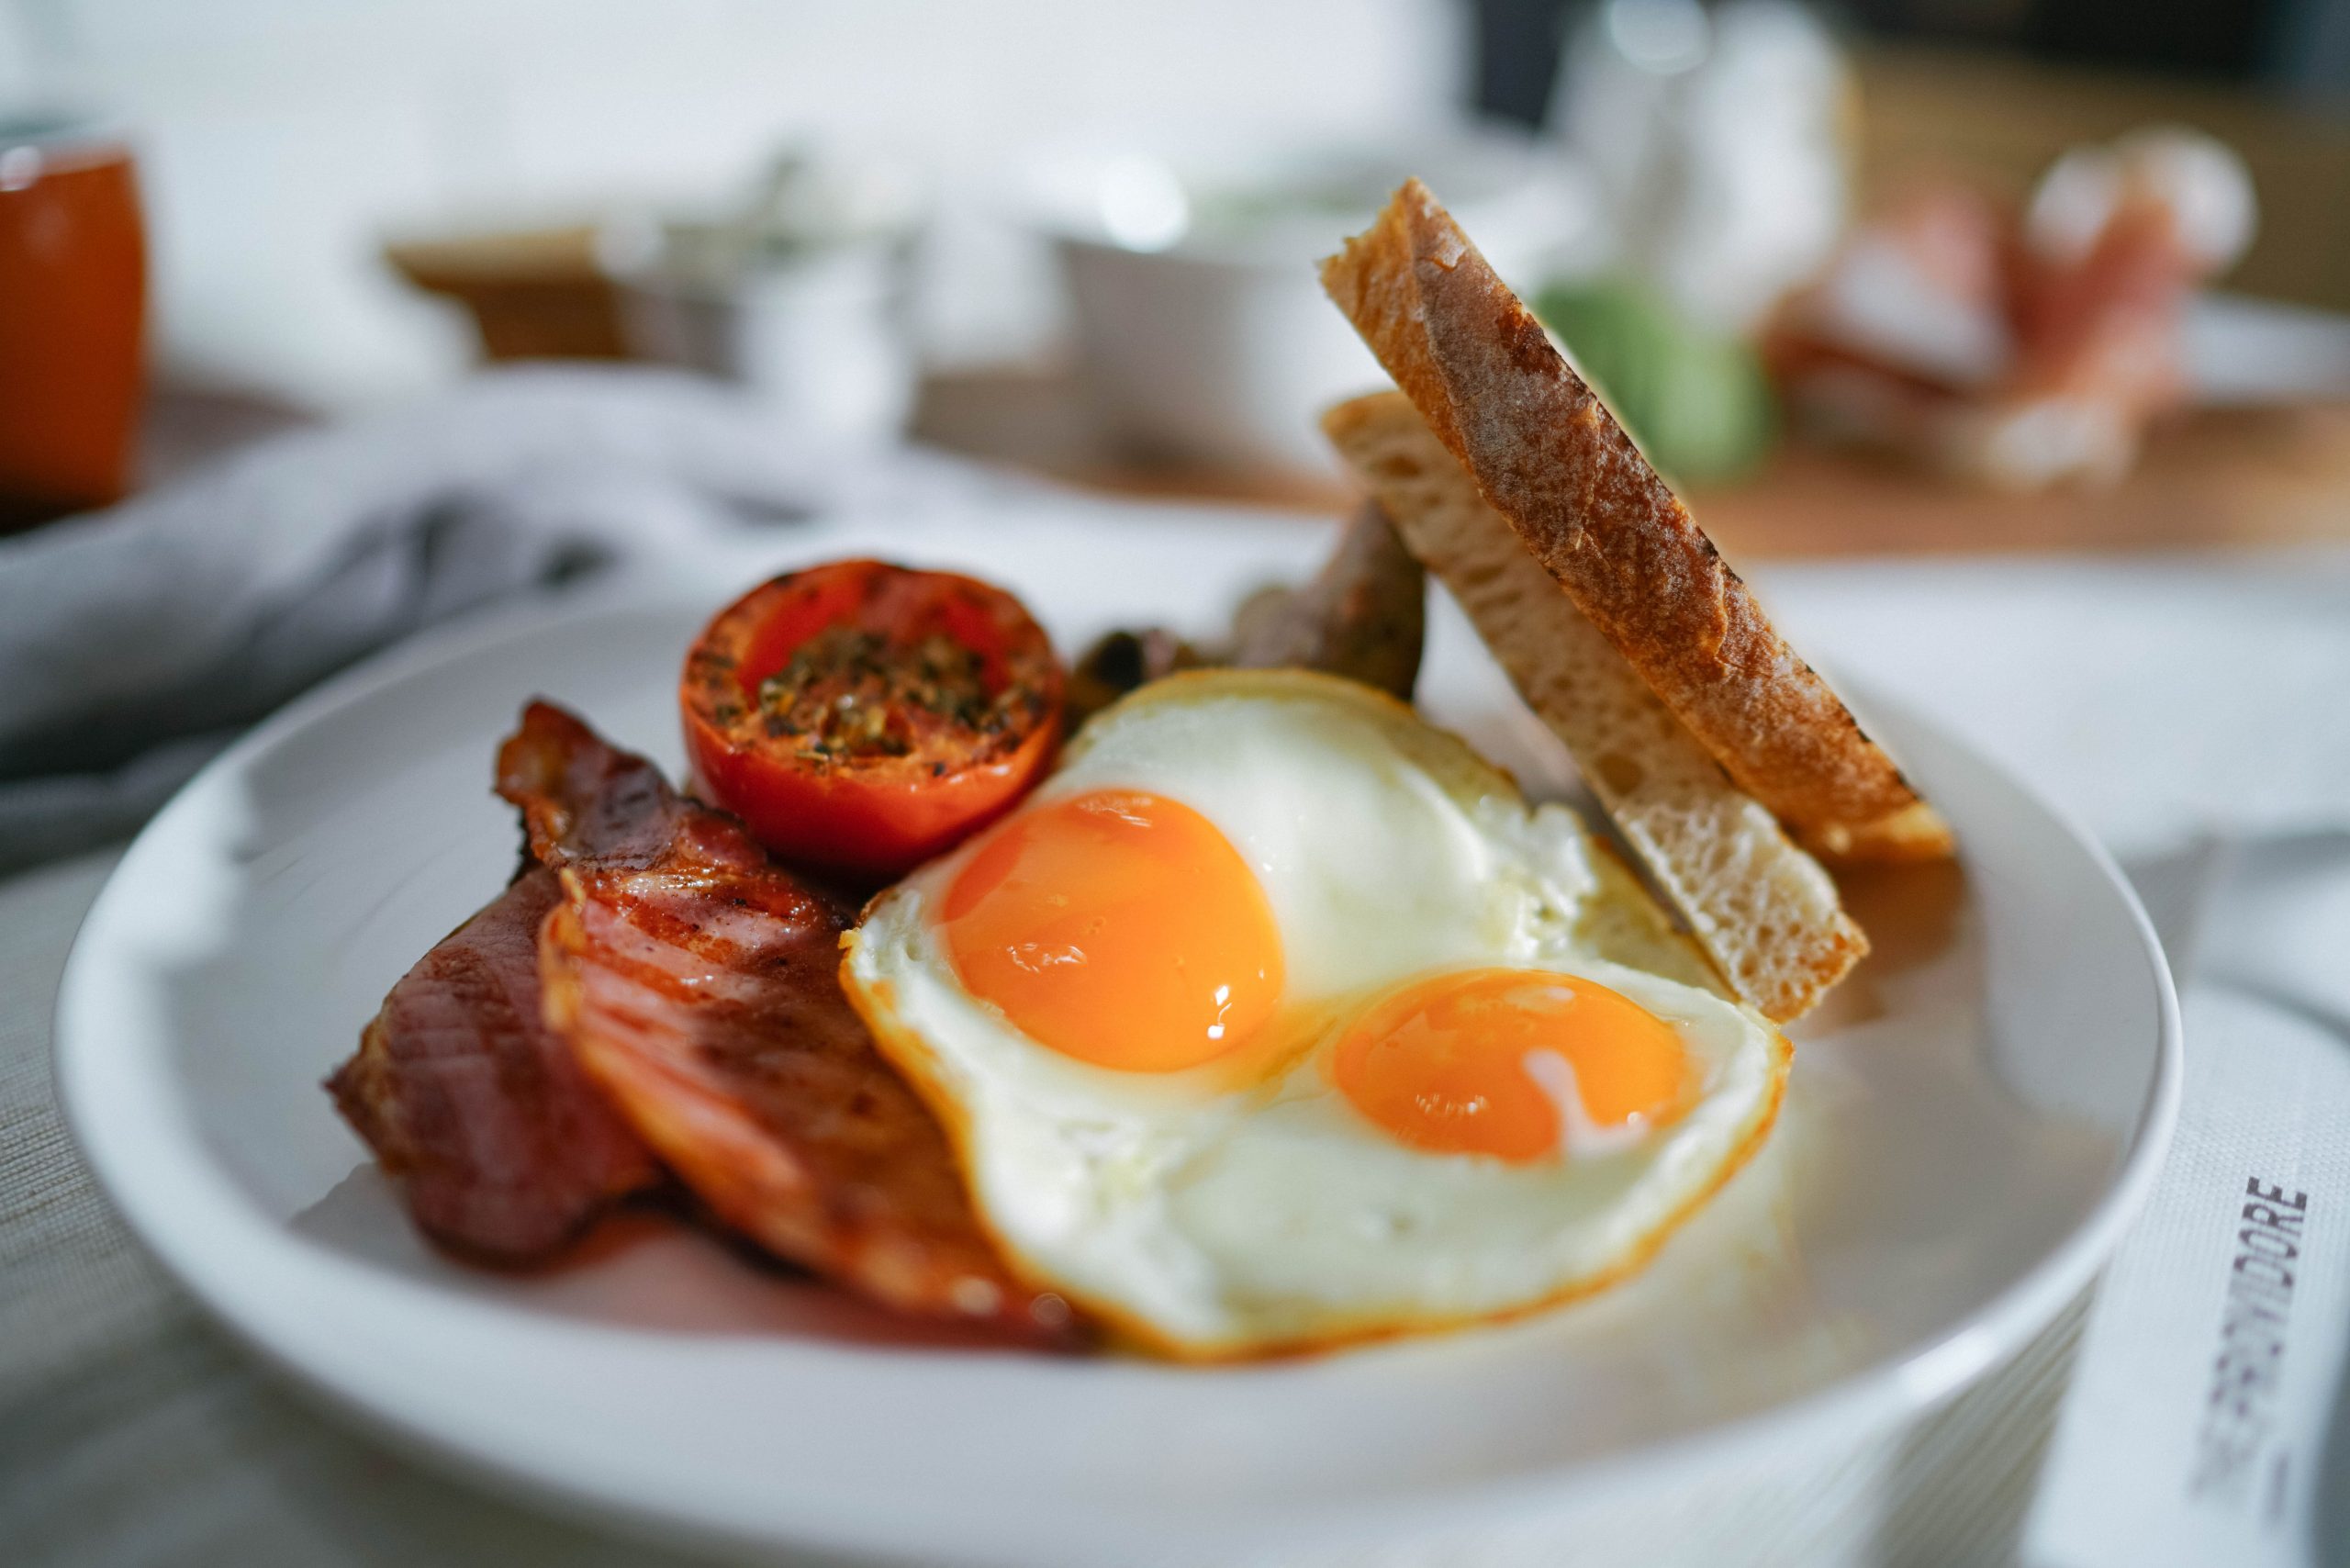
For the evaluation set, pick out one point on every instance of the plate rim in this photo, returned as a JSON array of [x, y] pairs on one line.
[[1906, 1383]]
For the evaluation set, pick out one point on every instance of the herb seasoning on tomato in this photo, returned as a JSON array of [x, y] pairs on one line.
[[864, 717]]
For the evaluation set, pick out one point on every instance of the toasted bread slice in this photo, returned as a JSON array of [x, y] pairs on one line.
[[1762, 908], [1545, 453]]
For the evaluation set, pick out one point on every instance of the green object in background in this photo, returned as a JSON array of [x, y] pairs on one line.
[[1697, 401]]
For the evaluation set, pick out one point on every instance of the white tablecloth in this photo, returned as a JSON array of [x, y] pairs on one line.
[[2154, 699]]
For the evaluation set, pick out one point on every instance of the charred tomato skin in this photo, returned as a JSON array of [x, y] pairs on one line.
[[918, 759]]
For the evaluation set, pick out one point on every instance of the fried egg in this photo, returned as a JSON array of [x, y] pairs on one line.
[[1277, 1018]]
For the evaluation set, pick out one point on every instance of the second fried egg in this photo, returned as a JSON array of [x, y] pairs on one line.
[[1276, 1017]]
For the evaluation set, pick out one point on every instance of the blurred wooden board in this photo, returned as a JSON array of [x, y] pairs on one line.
[[2221, 478], [533, 293], [2214, 478]]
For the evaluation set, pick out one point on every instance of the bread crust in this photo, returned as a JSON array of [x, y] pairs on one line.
[[1546, 454]]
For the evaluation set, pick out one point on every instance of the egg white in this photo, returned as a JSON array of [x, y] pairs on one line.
[[1245, 1206]]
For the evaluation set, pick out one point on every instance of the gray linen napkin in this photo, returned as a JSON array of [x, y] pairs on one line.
[[136, 642]]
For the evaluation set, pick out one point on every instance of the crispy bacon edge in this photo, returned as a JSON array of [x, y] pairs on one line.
[[697, 981]]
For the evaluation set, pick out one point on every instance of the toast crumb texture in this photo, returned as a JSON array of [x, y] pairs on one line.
[[1545, 453], [1764, 911]]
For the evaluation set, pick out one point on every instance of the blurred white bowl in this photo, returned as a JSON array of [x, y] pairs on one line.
[[1200, 322]]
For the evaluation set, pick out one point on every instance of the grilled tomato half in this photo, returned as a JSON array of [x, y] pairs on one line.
[[862, 717]]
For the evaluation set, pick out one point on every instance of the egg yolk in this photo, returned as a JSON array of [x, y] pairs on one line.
[[1454, 1065], [1118, 927]]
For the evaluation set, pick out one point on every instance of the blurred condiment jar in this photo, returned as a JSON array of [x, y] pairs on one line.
[[1718, 134], [803, 294], [72, 318]]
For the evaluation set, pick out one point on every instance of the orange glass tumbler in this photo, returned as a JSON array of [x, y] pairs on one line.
[[72, 320]]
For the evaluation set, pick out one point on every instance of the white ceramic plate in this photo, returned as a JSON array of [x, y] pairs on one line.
[[1964, 1137]]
